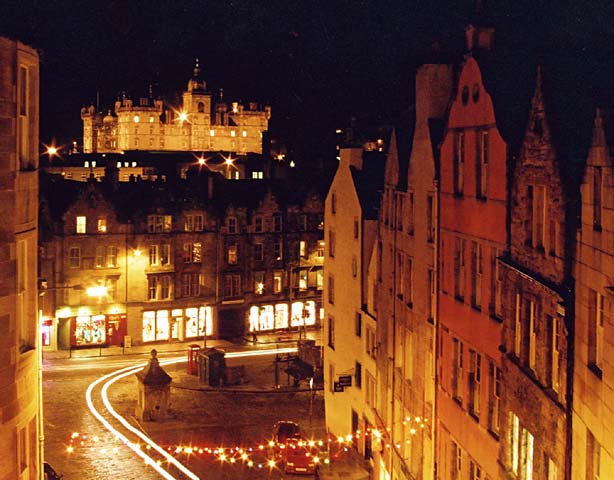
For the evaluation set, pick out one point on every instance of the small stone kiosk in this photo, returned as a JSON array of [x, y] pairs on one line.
[[154, 391]]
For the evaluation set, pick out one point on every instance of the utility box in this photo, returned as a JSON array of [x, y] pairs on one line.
[[211, 367], [154, 386]]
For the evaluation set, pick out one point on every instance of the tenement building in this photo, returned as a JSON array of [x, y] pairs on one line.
[[405, 288], [472, 227], [538, 306], [178, 259], [593, 383], [200, 123], [351, 211], [20, 401]]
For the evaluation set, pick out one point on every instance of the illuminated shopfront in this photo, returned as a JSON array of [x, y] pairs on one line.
[[88, 330], [92, 330], [177, 324], [282, 316]]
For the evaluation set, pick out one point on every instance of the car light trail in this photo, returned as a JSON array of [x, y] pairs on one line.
[[105, 399], [90, 404], [113, 377]]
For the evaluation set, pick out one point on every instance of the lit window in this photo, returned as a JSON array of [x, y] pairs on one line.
[[302, 249], [158, 223], [212, 133], [302, 279], [232, 254], [258, 283], [81, 224], [277, 281], [514, 443], [192, 252], [233, 133], [102, 225], [244, 133], [136, 119], [320, 252]]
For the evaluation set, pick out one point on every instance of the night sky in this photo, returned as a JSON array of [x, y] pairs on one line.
[[316, 63]]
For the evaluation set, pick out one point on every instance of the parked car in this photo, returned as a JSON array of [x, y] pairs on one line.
[[299, 458], [50, 473], [285, 430]]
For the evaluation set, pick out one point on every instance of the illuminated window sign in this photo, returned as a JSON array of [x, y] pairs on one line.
[[177, 324], [276, 317]]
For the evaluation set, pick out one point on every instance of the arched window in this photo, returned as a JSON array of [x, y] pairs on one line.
[[201, 107]]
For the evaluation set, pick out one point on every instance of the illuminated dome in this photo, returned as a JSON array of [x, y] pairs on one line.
[[108, 118], [196, 83]]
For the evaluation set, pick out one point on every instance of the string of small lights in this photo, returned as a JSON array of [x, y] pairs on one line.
[[268, 454]]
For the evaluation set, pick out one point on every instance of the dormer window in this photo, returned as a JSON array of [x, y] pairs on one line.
[[102, 225]]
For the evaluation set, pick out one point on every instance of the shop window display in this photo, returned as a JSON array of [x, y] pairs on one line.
[[159, 326], [90, 330]]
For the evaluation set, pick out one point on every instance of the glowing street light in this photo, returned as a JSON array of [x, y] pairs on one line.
[[52, 151], [96, 291], [183, 116]]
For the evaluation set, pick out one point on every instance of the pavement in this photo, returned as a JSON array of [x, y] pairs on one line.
[[240, 414]]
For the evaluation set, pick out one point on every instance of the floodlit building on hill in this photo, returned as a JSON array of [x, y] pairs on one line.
[[201, 123]]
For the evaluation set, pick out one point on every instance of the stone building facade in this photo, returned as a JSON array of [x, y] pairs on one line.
[[200, 123], [351, 209], [20, 400], [593, 383], [177, 258], [538, 309], [472, 225]]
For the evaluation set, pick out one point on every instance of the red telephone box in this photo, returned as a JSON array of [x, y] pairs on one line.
[[193, 359]]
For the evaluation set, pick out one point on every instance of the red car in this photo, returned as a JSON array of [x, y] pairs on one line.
[[300, 458]]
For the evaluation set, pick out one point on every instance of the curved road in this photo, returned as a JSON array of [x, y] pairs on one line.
[[100, 434]]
